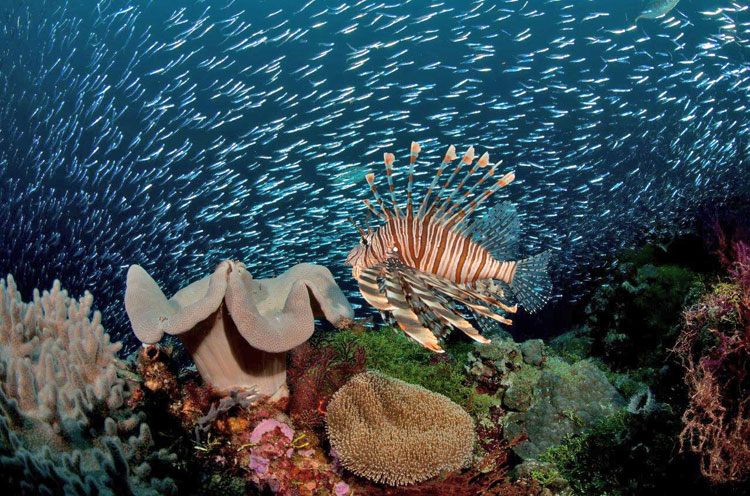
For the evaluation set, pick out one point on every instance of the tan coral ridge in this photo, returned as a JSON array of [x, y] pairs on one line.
[[396, 433], [63, 423], [238, 329]]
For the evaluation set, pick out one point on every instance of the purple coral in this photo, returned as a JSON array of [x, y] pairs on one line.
[[341, 489], [268, 425], [258, 464]]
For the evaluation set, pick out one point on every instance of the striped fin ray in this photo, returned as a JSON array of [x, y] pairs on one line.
[[426, 316], [483, 162], [440, 203], [450, 156], [531, 281], [373, 211], [488, 291], [473, 204], [432, 302], [461, 213], [407, 320], [413, 154], [368, 286], [374, 190], [388, 159], [470, 298]]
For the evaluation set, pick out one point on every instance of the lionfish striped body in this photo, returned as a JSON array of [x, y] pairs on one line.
[[424, 266]]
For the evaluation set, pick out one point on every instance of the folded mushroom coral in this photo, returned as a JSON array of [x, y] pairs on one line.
[[238, 329]]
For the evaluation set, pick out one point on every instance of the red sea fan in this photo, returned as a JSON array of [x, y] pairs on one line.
[[314, 374], [714, 348]]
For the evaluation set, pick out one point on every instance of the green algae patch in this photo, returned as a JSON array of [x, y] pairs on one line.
[[389, 351]]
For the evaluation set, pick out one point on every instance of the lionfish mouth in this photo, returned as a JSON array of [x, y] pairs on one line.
[[349, 260]]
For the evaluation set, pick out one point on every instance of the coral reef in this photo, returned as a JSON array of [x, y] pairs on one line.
[[629, 329], [237, 444], [64, 426], [238, 329], [284, 463], [546, 398], [390, 352], [635, 320], [389, 431], [567, 399], [714, 349], [315, 373]]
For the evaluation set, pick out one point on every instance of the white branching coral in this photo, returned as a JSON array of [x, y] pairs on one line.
[[61, 399], [397, 433]]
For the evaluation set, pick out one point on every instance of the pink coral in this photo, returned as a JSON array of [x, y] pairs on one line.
[[258, 464], [279, 464], [268, 425], [341, 489]]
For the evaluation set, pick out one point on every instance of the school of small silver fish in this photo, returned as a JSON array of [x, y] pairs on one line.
[[175, 135]]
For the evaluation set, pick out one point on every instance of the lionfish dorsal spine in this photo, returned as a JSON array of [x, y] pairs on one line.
[[467, 159], [464, 211], [388, 159], [439, 203], [374, 212], [370, 178], [450, 156], [448, 215], [469, 209], [413, 154]]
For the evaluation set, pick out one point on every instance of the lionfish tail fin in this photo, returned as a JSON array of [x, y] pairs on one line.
[[531, 282]]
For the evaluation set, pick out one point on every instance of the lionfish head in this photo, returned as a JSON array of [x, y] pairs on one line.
[[357, 257]]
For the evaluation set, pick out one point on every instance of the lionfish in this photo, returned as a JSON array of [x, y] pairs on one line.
[[425, 266]]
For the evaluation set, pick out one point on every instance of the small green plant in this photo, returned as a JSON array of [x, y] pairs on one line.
[[545, 477], [392, 353], [480, 404], [209, 445], [573, 416], [575, 458]]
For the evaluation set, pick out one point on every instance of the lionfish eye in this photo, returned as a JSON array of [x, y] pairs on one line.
[[364, 241]]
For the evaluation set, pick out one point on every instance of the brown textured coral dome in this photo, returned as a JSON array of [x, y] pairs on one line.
[[396, 433]]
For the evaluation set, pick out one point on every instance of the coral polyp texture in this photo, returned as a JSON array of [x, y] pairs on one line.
[[61, 402], [396, 433], [238, 329]]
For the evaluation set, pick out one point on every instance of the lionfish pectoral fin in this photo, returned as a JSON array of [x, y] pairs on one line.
[[407, 320], [447, 316], [368, 286], [531, 282], [471, 298], [486, 312]]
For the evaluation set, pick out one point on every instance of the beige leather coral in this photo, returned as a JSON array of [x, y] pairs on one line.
[[389, 431], [238, 329]]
